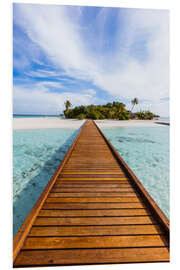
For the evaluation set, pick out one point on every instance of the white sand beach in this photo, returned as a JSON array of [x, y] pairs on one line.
[[51, 122], [55, 122], [131, 123]]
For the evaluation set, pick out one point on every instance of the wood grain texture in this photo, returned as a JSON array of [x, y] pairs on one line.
[[94, 242], [99, 186], [95, 230], [93, 179], [26, 226], [138, 185], [92, 190], [93, 211], [43, 221], [91, 194], [95, 205], [95, 199], [92, 256]]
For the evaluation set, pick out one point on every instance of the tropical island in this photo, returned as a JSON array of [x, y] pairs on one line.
[[111, 110]]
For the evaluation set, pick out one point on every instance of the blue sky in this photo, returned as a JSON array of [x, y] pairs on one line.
[[89, 55]]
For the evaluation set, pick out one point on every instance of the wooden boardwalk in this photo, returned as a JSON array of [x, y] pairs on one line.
[[93, 211]]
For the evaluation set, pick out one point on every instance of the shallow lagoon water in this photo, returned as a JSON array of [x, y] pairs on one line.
[[146, 152], [36, 155]]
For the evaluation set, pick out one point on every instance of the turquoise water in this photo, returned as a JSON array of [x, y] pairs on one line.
[[36, 155], [146, 151], [164, 118]]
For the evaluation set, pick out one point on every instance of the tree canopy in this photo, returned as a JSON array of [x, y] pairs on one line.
[[134, 102], [112, 110], [67, 104]]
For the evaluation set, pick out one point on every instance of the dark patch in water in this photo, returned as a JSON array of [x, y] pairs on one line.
[[136, 140], [34, 168], [24, 174], [29, 153]]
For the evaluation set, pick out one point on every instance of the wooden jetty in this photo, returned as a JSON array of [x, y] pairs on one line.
[[94, 210]]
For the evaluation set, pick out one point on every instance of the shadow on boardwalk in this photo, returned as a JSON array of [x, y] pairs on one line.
[[28, 196]]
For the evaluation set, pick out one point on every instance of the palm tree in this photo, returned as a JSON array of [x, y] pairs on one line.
[[134, 102], [67, 104]]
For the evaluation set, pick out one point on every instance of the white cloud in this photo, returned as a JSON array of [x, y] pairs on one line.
[[40, 100], [42, 73], [91, 92], [121, 75], [50, 28], [147, 79], [158, 107], [49, 84]]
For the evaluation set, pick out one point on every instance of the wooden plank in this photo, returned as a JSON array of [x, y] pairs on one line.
[[26, 226], [94, 182], [91, 194], [93, 205], [137, 184], [93, 179], [95, 242], [94, 166], [95, 172], [99, 199], [90, 185], [98, 213], [92, 256], [85, 170], [87, 162], [120, 175], [93, 189], [95, 230], [91, 147], [91, 168], [88, 143], [41, 221], [97, 208]]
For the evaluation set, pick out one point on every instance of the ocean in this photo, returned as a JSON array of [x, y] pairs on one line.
[[37, 153], [146, 152]]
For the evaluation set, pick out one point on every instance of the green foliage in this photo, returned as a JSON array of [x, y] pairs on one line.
[[96, 115], [81, 116], [114, 110], [109, 105], [67, 104], [69, 113], [124, 115], [134, 102], [145, 115]]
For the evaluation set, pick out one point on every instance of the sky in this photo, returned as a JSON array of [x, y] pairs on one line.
[[89, 55]]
